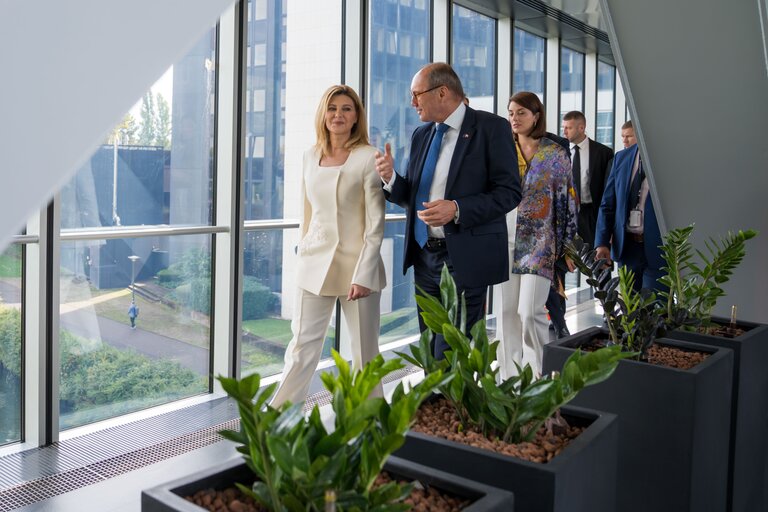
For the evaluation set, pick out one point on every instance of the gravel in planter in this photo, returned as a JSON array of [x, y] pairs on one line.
[[438, 418]]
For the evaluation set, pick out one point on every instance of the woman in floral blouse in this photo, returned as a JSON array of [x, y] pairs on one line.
[[539, 228]]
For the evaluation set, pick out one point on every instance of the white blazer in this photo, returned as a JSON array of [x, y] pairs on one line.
[[342, 225]]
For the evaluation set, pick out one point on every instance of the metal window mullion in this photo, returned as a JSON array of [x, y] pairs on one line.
[[552, 79], [226, 307], [52, 301], [34, 347], [589, 93], [504, 42]]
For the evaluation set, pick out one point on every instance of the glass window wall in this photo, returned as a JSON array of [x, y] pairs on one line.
[[606, 79], [265, 116], [10, 344], [473, 56], [155, 168], [529, 61], [265, 332], [134, 324], [571, 82], [391, 119]]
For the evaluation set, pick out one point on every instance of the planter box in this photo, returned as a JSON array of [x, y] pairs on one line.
[[582, 478], [674, 425], [170, 497], [748, 454]]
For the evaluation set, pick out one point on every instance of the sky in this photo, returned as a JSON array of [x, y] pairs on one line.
[[164, 86]]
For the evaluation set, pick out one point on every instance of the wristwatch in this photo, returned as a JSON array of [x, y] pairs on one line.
[[456, 215]]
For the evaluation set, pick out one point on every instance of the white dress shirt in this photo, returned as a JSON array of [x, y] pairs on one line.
[[643, 194], [585, 196], [440, 178]]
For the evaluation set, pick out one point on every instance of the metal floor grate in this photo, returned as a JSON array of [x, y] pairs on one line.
[[36, 475]]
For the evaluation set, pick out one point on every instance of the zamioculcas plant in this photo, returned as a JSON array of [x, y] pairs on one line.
[[516, 408], [695, 287], [296, 460], [634, 319]]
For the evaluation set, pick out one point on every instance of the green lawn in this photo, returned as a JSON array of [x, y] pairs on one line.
[[158, 318], [273, 329], [260, 361]]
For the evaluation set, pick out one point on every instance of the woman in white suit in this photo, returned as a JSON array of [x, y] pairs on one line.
[[341, 232]]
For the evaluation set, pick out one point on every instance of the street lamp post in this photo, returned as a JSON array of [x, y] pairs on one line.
[[133, 259]]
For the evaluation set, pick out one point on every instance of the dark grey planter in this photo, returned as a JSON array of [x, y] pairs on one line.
[[674, 426], [170, 496], [582, 478], [748, 450]]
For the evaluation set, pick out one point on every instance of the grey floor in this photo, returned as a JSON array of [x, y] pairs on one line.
[[122, 492]]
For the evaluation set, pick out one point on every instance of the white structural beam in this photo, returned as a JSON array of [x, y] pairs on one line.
[[70, 72]]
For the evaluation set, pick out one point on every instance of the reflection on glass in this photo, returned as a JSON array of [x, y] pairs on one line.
[[398, 306], [399, 45], [473, 51], [265, 111], [606, 78], [529, 63], [110, 368], [10, 344], [155, 167], [571, 82]]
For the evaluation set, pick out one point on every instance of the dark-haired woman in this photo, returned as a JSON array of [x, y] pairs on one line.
[[539, 228]]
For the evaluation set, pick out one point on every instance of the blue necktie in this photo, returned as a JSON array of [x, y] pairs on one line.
[[425, 183]]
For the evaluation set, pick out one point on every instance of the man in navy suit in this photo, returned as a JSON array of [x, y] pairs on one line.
[[627, 221], [460, 181]]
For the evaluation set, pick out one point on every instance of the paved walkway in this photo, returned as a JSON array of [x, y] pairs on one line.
[[10, 292], [78, 318], [83, 323]]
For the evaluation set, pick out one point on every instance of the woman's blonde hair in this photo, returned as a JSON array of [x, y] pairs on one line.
[[359, 135]]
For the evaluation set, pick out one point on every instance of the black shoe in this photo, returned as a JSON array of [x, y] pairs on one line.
[[563, 333]]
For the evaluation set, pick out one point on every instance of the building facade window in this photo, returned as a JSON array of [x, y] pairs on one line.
[[529, 62], [606, 81], [473, 56], [571, 82]]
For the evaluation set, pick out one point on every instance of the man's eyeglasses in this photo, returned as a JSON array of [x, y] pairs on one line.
[[415, 95]]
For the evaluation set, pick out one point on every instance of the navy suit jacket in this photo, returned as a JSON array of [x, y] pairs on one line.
[[614, 212], [484, 180]]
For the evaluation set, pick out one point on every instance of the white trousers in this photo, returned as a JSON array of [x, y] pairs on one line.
[[310, 324], [522, 324]]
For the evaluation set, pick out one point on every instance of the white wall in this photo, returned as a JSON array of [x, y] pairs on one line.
[[694, 74]]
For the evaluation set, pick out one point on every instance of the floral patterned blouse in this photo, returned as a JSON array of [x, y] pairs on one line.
[[546, 215]]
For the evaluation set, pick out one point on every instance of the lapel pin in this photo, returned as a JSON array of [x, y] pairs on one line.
[[466, 135]]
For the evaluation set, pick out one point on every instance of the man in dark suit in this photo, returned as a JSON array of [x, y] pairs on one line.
[[627, 221], [589, 162], [460, 182]]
